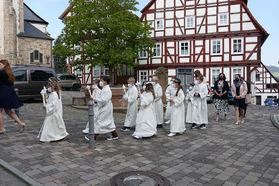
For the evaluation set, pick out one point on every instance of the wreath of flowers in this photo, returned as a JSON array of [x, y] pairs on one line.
[[161, 70]]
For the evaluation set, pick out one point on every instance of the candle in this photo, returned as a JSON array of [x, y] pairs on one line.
[[89, 90], [124, 88], [138, 85]]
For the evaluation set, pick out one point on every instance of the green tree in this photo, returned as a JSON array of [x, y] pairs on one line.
[[60, 55], [108, 33]]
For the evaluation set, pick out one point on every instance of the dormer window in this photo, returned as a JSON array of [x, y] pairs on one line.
[[223, 19], [159, 24]]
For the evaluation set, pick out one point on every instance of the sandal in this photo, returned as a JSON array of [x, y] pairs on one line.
[[237, 123], [2, 131], [21, 129]]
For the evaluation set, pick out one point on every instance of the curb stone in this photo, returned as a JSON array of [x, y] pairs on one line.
[[18, 174], [275, 120]]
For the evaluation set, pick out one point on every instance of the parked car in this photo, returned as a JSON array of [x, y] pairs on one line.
[[271, 102], [68, 81], [30, 80], [209, 96]]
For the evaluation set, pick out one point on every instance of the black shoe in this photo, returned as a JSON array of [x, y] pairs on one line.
[[194, 126], [159, 126]]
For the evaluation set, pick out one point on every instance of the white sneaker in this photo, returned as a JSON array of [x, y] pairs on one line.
[[137, 137], [171, 134], [168, 122], [85, 131], [87, 138]]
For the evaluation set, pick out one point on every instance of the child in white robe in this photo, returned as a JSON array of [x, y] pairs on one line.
[[158, 102], [178, 110], [146, 123], [95, 95], [170, 92], [132, 98], [53, 128], [104, 118], [189, 99], [199, 109]]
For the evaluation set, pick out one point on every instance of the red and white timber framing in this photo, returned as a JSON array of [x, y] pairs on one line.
[[199, 24]]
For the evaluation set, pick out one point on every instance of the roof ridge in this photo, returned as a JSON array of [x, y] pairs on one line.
[[42, 20]]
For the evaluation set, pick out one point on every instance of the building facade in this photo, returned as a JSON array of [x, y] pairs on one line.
[[24, 39], [212, 36]]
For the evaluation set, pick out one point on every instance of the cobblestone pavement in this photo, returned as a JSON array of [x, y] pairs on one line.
[[7, 179], [222, 154]]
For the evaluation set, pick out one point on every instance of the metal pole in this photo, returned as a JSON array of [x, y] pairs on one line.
[[17, 109], [91, 123]]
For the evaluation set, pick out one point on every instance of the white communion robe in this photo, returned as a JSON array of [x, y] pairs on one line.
[[95, 95], [132, 110], [199, 105], [159, 103], [178, 113], [170, 93], [189, 95], [146, 123], [104, 117], [53, 128]]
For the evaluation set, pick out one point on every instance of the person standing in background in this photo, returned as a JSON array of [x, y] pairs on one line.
[[158, 102], [8, 97], [239, 91], [221, 89]]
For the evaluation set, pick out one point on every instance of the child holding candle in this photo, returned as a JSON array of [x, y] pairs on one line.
[[53, 128]]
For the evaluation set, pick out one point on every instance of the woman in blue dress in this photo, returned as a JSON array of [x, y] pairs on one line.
[[8, 97]]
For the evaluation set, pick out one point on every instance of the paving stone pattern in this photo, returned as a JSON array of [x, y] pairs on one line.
[[222, 154]]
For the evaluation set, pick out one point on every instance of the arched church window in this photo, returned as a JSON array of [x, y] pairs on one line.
[[36, 57]]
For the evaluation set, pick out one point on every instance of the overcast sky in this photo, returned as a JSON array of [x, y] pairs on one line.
[[267, 15]]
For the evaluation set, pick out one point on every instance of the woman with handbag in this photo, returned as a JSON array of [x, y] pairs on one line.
[[221, 89], [239, 92]]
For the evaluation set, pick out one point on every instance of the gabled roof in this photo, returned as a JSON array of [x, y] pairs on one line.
[[63, 15], [31, 16], [148, 6], [32, 32]]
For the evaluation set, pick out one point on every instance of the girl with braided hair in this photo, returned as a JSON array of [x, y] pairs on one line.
[[53, 128]]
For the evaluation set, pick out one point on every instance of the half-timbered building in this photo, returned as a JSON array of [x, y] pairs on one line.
[[212, 36]]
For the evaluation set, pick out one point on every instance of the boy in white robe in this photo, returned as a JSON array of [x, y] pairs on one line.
[[178, 110], [131, 97], [95, 95], [104, 119], [53, 128], [170, 92], [146, 123], [199, 109], [158, 102]]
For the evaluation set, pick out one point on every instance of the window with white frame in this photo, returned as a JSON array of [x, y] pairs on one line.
[[215, 74], [157, 50], [236, 70], [184, 48], [223, 19], [97, 71], [237, 46], [106, 71], [143, 76], [190, 22], [143, 53], [79, 72], [216, 46], [159, 24]]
